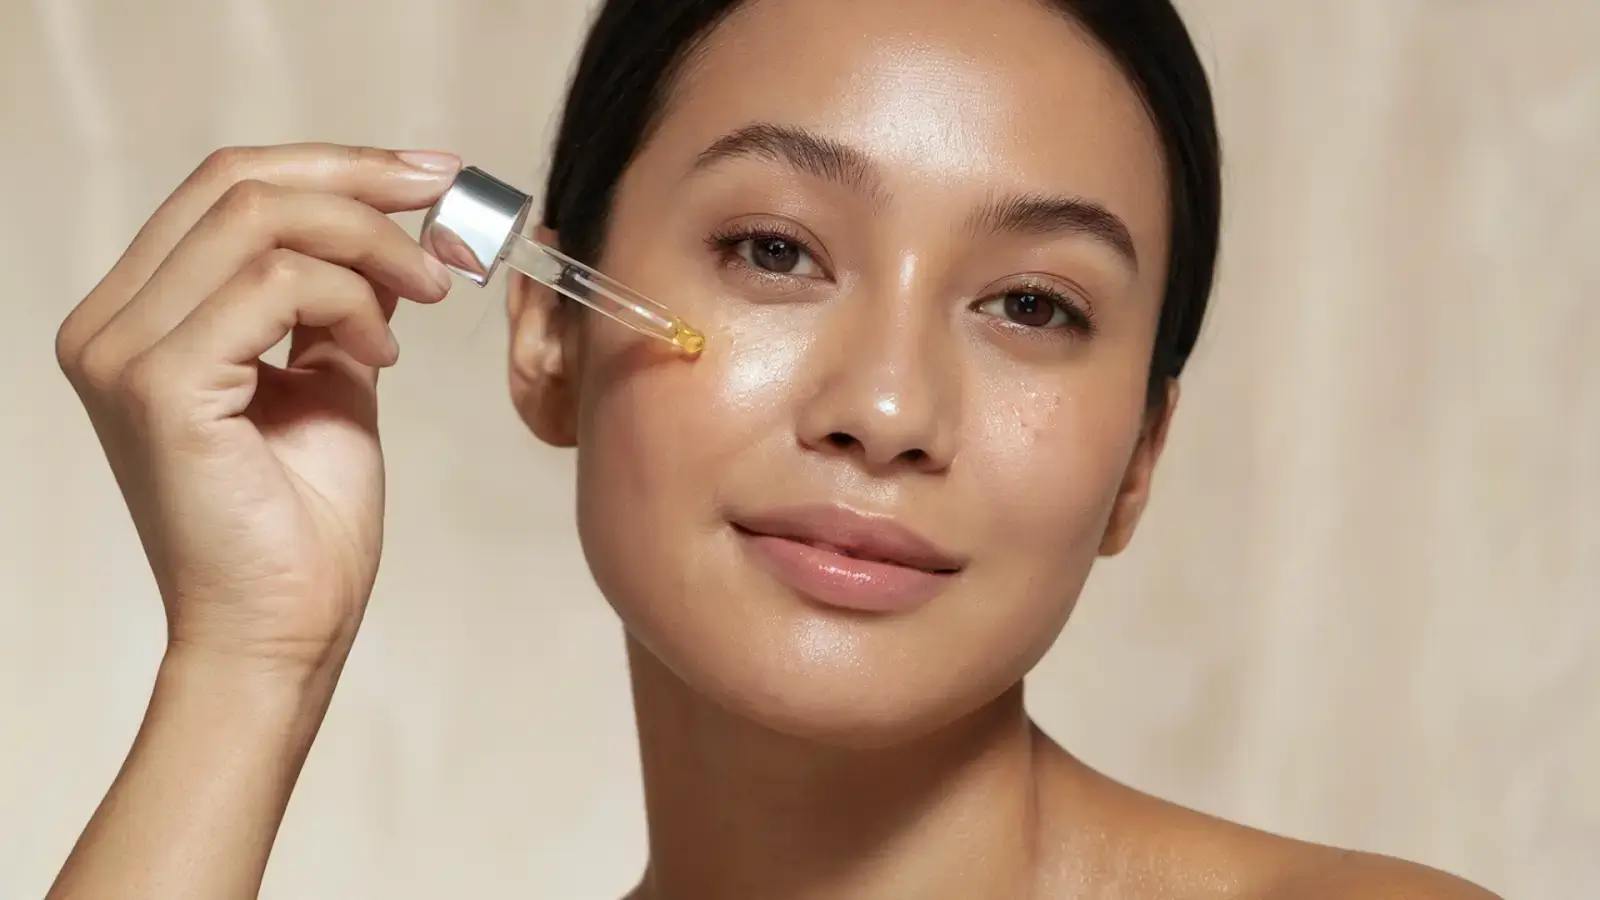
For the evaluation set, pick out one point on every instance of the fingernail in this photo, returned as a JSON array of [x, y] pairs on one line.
[[431, 161], [439, 272]]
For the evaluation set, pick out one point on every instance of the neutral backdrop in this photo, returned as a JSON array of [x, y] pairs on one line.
[[1364, 609]]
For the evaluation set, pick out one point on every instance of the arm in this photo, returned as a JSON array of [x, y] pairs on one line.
[[196, 807]]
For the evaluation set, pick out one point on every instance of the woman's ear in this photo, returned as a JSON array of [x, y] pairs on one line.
[[543, 356], [1134, 494]]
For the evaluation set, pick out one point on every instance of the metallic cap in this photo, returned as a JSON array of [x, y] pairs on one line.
[[470, 226]]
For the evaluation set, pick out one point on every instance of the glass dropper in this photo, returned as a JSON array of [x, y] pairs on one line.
[[600, 292], [478, 224]]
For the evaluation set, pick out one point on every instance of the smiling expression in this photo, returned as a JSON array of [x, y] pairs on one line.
[[927, 244]]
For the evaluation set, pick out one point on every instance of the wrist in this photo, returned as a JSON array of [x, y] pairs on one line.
[[279, 694]]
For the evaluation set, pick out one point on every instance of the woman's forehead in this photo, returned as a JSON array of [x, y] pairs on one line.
[[983, 96]]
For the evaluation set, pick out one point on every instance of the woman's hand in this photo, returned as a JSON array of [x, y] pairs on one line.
[[258, 491]]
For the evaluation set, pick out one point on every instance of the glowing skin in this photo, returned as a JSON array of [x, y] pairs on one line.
[[885, 369], [1023, 440], [926, 242]]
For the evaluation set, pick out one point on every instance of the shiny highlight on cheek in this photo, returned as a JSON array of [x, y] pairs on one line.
[[757, 359], [1019, 417], [1036, 411]]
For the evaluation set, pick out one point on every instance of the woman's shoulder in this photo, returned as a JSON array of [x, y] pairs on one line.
[[1113, 841], [1346, 875]]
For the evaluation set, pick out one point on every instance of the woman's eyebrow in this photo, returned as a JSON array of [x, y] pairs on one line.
[[1040, 215], [804, 150], [830, 160]]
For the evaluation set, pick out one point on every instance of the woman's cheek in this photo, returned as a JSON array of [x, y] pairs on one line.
[[649, 411], [1015, 421], [1052, 461], [754, 364]]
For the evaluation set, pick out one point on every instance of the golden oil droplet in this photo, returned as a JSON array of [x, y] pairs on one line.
[[689, 340]]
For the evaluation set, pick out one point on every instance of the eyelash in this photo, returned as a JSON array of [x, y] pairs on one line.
[[1080, 317], [725, 242]]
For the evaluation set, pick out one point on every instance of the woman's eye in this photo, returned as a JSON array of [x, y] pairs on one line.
[[777, 255], [1032, 309]]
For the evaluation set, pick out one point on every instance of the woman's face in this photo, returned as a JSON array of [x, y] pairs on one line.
[[927, 244]]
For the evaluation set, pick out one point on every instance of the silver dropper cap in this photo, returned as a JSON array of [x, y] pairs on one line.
[[472, 224]]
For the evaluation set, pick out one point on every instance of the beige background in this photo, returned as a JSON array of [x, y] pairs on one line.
[[1364, 610]]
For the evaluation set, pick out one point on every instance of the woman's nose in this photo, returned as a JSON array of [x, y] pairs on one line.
[[886, 390]]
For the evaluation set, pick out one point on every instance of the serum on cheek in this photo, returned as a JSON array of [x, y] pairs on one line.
[[478, 224], [761, 361]]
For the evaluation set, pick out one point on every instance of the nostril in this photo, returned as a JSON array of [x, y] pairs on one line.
[[841, 440], [915, 457]]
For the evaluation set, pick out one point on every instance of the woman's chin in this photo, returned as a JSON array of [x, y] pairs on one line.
[[825, 688], [726, 639]]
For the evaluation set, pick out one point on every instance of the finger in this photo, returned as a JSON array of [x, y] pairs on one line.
[[255, 218], [215, 349], [386, 180], [316, 348]]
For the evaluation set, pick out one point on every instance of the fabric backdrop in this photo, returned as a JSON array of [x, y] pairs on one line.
[[1363, 610]]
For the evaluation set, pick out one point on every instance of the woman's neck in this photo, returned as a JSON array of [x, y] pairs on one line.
[[738, 811]]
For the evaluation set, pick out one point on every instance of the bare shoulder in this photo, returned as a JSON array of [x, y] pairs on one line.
[[1142, 846], [1328, 874]]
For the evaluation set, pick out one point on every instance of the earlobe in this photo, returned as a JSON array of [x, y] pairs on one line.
[[1134, 493], [541, 343]]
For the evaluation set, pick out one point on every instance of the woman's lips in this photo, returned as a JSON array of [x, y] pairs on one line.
[[848, 561], [831, 578]]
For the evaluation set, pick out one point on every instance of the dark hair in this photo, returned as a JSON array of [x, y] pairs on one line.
[[637, 48]]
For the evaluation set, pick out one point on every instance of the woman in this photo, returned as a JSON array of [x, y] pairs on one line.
[[951, 259]]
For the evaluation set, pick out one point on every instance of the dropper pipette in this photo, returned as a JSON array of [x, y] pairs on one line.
[[478, 224]]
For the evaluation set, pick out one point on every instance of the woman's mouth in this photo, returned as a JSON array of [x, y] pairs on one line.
[[846, 560]]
